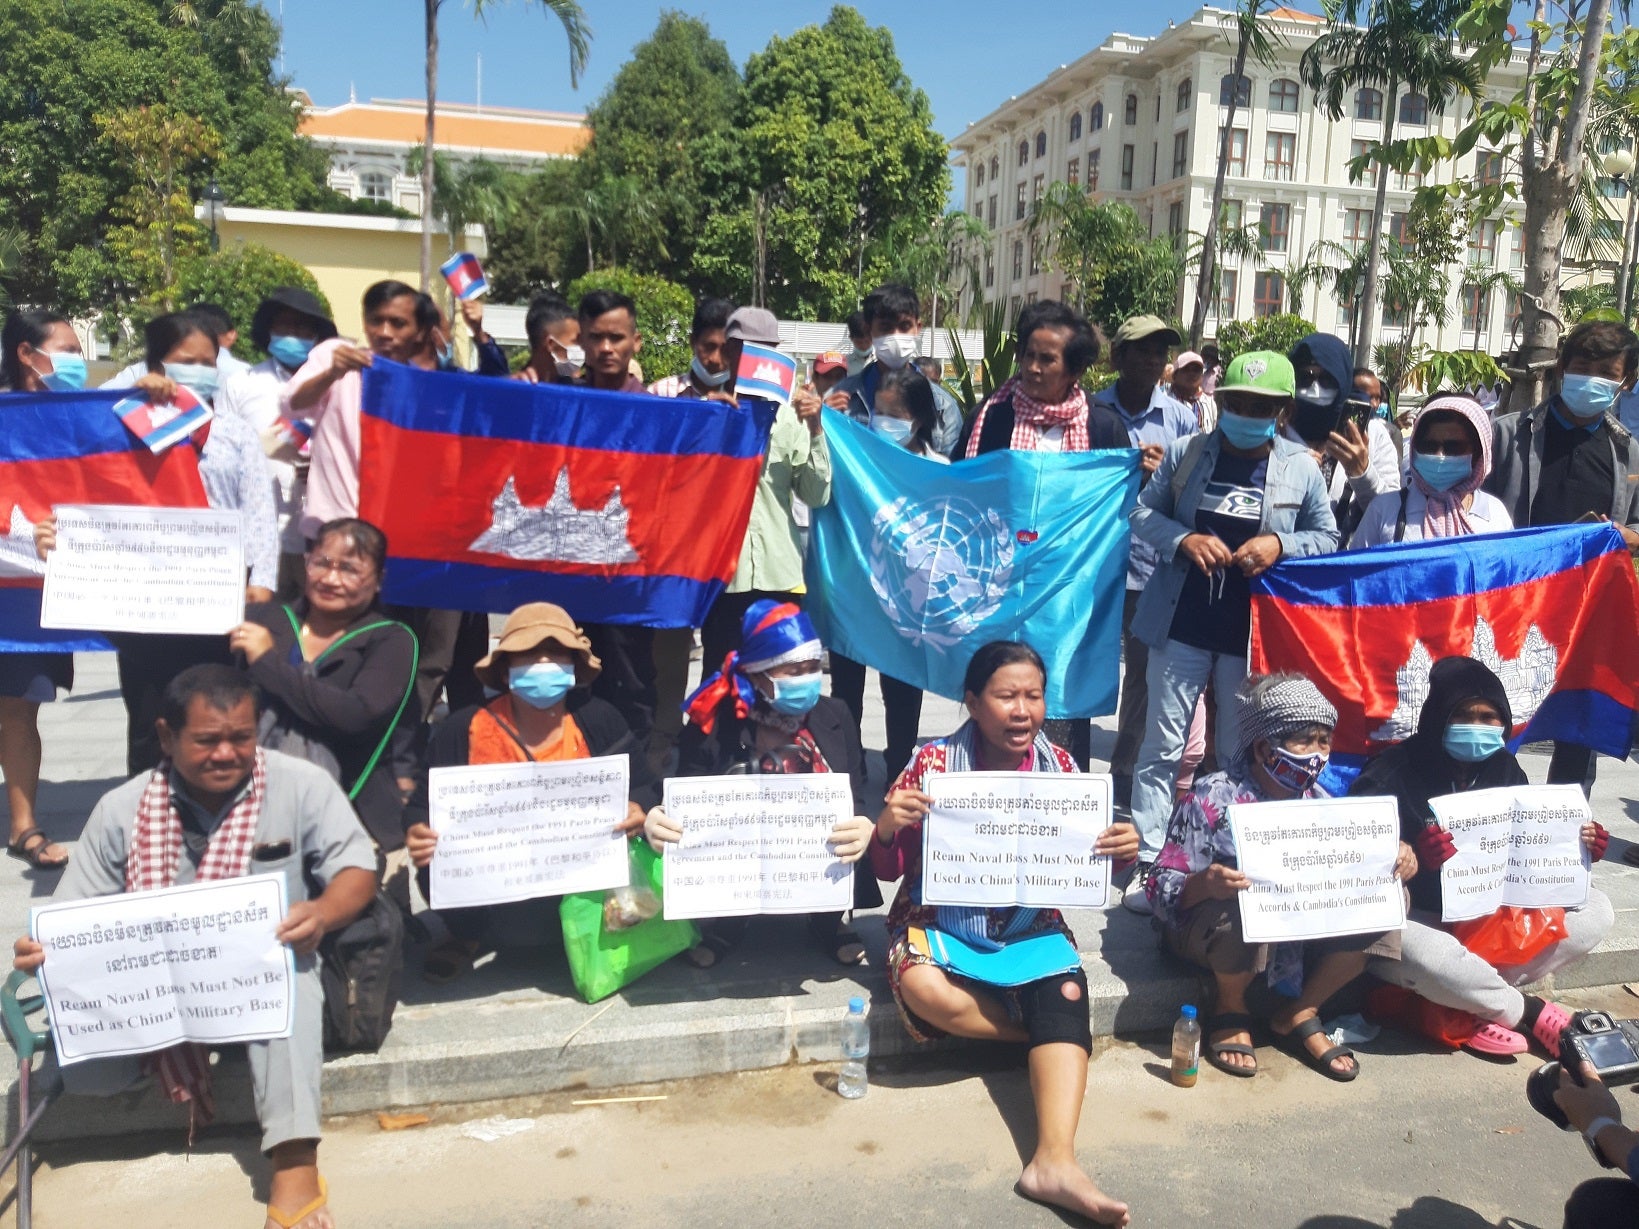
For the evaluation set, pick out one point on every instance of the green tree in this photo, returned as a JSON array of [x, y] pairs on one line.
[[679, 87], [664, 312], [1387, 44], [940, 263], [1280, 332], [531, 248], [1112, 268], [832, 144], [477, 192], [239, 279], [568, 12]]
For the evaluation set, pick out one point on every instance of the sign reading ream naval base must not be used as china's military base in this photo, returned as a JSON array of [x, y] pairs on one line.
[[1320, 868], [143, 971], [1016, 838], [1516, 845]]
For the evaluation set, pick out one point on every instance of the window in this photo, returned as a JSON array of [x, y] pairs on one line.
[[1516, 247], [1395, 314], [1283, 95], [1175, 218], [1018, 259], [1018, 204], [1180, 153], [1476, 309], [1075, 126], [1411, 180], [995, 168], [1368, 103], [1095, 117], [376, 186], [1073, 173], [1035, 257], [1414, 109], [1482, 242], [1515, 308], [1186, 92], [990, 211], [1268, 290], [979, 176], [1280, 151], [1129, 113], [1357, 229], [990, 269], [1359, 149], [1233, 216], [1024, 152], [1126, 168], [979, 210], [1092, 170], [1228, 89], [1038, 185], [1229, 282], [1400, 228], [1237, 150], [1610, 186], [1488, 169], [1274, 227], [1041, 143]]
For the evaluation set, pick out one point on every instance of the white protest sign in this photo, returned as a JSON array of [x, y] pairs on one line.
[[142, 971], [1016, 838], [1516, 845], [520, 831], [1320, 868], [757, 844], [129, 569]]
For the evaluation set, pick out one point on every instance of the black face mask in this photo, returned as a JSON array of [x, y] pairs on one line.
[[1314, 423]]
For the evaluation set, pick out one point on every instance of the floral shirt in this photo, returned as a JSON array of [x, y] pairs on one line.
[[1200, 835]]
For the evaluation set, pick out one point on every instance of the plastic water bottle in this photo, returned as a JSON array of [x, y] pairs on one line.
[[856, 1048], [1186, 1048]]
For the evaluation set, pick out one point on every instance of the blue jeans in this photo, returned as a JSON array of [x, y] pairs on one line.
[[1177, 675]]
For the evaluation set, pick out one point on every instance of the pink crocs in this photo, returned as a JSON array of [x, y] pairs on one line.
[[1496, 1041], [1551, 1022]]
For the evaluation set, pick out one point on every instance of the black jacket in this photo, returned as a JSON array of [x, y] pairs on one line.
[[1419, 769], [605, 730], [1104, 429], [345, 701]]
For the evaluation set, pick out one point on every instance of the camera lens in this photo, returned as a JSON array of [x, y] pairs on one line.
[[1540, 1087]]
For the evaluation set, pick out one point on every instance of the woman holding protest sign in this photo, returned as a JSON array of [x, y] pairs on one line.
[[541, 665], [763, 713], [1461, 745], [1026, 981], [1285, 739]]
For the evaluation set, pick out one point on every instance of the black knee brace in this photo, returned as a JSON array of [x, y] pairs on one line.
[[1049, 1016]]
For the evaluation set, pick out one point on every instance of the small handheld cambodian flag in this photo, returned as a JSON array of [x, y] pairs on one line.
[[465, 275], [765, 372], [159, 424]]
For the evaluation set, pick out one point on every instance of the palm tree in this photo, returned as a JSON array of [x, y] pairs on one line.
[[1330, 265], [929, 258], [1251, 38], [1387, 43], [580, 40]]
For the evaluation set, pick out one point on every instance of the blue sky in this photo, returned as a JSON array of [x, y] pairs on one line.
[[968, 56]]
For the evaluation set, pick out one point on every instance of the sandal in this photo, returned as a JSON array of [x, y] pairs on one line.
[[1292, 1043], [30, 847], [299, 1219], [838, 941], [449, 960], [1214, 1051], [712, 950]]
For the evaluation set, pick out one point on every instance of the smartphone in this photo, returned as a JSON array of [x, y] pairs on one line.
[[1360, 410]]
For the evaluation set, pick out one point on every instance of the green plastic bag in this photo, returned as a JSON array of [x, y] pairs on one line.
[[601, 960]]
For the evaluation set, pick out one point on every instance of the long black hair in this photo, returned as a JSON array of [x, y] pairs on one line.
[[165, 333], [26, 325], [993, 657]]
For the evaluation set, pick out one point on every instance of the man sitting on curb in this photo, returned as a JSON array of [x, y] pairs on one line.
[[217, 807]]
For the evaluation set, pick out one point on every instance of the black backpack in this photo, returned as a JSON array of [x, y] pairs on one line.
[[361, 970]]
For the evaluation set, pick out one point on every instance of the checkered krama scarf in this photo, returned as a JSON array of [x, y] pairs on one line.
[[1279, 709], [156, 855], [1030, 417]]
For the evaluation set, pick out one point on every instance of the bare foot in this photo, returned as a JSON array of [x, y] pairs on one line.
[[1067, 1187]]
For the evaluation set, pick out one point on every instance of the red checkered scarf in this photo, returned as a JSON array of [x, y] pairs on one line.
[[156, 854], [1031, 416]]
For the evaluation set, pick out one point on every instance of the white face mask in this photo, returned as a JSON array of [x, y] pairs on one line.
[[895, 350]]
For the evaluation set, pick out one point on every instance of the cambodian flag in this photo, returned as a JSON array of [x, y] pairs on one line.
[[619, 507], [1554, 612], [465, 275], [70, 448], [765, 372]]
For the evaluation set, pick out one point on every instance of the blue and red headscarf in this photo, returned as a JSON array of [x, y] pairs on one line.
[[771, 634]]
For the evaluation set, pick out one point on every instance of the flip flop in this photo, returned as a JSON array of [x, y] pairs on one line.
[[1292, 1043], [291, 1220], [27, 849], [448, 961], [842, 944], [1214, 1051]]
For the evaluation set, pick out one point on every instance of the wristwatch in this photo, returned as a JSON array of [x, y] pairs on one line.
[[1590, 1136]]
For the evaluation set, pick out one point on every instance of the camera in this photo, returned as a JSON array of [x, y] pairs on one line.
[[1611, 1045]]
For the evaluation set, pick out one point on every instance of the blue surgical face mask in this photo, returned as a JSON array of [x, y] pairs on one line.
[[67, 374], [707, 379], [1296, 772], [797, 695], [1587, 396], [289, 352], [197, 378], [896, 430], [542, 684], [1246, 433], [1472, 743], [1442, 473]]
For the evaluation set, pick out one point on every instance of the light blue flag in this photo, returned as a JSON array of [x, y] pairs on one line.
[[914, 565]]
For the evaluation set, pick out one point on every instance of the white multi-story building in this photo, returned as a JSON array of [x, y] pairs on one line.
[[1141, 120]]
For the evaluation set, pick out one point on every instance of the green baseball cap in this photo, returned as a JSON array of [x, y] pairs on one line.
[[1263, 373], [1139, 327]]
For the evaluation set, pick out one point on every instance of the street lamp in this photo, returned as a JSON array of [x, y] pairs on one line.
[[1618, 164], [215, 210]]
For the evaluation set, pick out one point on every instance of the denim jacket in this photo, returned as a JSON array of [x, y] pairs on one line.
[[1296, 510]]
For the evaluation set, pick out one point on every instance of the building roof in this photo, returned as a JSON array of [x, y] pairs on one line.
[[495, 130]]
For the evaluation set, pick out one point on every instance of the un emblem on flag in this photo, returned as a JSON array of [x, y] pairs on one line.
[[939, 569]]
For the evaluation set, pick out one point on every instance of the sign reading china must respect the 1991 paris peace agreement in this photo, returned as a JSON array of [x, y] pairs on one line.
[[130, 569], [1320, 868], [520, 831], [143, 971], [757, 844], [1516, 845], [1016, 838]]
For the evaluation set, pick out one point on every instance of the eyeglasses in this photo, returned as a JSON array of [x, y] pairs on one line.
[[1445, 448], [351, 573]]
